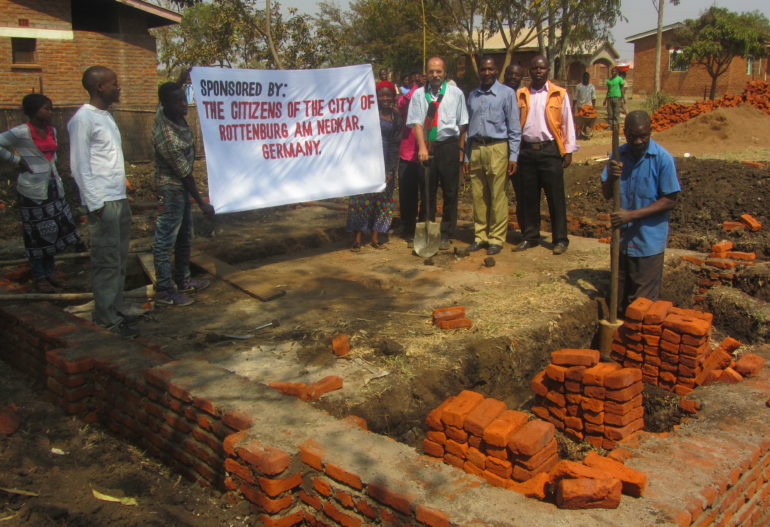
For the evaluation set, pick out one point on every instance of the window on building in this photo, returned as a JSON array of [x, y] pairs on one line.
[[24, 50], [749, 65], [676, 60]]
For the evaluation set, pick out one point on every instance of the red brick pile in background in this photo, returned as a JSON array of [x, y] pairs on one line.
[[672, 348], [482, 437], [598, 402], [718, 268], [756, 93]]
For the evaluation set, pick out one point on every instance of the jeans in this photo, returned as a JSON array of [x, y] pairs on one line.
[[42, 267], [173, 228], [110, 233]]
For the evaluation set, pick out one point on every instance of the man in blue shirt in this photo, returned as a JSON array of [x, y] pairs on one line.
[[648, 191], [491, 151]]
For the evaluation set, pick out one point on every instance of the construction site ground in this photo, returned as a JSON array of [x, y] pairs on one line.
[[400, 365]]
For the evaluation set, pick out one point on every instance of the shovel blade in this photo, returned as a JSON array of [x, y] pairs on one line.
[[427, 238]]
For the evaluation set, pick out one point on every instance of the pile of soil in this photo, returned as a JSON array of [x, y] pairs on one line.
[[756, 93], [712, 191], [724, 128]]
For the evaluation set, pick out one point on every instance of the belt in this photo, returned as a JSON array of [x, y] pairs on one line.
[[488, 140], [537, 146], [453, 139]]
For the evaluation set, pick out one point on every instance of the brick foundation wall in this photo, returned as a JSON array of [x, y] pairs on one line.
[[299, 466]]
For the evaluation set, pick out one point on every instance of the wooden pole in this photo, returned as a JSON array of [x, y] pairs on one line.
[[615, 245], [140, 292]]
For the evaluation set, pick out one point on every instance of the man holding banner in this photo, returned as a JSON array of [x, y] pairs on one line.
[[439, 117]]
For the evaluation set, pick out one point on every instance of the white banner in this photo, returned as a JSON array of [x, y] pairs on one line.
[[274, 137]]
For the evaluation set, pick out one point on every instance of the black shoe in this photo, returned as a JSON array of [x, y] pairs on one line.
[[560, 248], [476, 246], [494, 249], [127, 331], [445, 244], [523, 246]]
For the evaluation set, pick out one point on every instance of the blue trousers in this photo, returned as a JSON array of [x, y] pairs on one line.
[[173, 229]]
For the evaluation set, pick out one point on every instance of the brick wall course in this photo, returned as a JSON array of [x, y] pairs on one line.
[[721, 457]]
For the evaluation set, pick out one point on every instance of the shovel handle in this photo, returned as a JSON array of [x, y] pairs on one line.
[[615, 245]]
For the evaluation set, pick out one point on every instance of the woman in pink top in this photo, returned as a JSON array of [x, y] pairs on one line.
[[46, 217]]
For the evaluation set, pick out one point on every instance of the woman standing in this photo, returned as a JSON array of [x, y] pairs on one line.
[[45, 215], [374, 212]]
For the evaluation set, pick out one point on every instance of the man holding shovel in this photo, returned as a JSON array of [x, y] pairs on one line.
[[648, 191], [438, 115], [491, 151]]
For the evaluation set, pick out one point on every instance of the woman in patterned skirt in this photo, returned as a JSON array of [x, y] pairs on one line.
[[374, 212], [45, 214]]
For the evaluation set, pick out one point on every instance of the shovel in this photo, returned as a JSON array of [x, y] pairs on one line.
[[611, 323], [427, 234]]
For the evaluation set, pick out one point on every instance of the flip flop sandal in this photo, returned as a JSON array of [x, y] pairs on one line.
[[356, 247], [378, 245]]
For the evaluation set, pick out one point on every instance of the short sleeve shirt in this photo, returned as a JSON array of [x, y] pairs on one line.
[[613, 86], [452, 112], [642, 183]]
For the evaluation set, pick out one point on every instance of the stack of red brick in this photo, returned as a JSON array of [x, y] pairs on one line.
[[451, 318], [719, 268], [598, 402], [481, 436], [745, 221]]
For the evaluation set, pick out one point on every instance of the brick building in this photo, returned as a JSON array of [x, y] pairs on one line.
[[677, 77], [45, 45]]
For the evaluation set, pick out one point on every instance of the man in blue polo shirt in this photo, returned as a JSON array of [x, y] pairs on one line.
[[648, 191], [491, 151]]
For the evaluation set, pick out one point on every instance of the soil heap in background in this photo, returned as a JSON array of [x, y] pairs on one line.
[[756, 93], [724, 128]]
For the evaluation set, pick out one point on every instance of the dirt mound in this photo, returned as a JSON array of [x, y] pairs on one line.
[[727, 128], [756, 93]]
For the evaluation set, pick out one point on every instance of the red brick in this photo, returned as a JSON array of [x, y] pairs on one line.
[[366, 509], [750, 221], [266, 459], [656, 314], [456, 434], [470, 468], [458, 323], [322, 487], [556, 398], [575, 373], [400, 502], [638, 308], [343, 476], [433, 419], [340, 517], [693, 260], [431, 517], [475, 441], [634, 482], [730, 376], [310, 499], [622, 378], [341, 345], [344, 499], [275, 487], [555, 373], [534, 487], [749, 365], [652, 329], [722, 247], [573, 386], [264, 502], [537, 384], [159, 376], [499, 431], [436, 436], [453, 460], [495, 480], [242, 471], [539, 458], [625, 394], [594, 392], [531, 437], [482, 415], [448, 313], [455, 412], [730, 344], [584, 493], [237, 419], [456, 449], [616, 434], [732, 225], [575, 357], [595, 375], [687, 324], [432, 449], [311, 453], [292, 389], [477, 457], [521, 473], [500, 467]]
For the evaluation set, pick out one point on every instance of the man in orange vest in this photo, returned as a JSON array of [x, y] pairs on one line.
[[547, 143]]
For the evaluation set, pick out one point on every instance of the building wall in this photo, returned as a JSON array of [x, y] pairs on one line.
[[695, 82], [60, 63]]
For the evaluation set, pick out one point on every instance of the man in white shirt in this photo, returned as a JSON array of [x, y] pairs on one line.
[[439, 117], [96, 161]]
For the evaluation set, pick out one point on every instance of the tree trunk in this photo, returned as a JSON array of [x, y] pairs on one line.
[[659, 45], [269, 33], [713, 91]]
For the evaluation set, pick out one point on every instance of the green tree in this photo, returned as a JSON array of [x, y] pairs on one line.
[[718, 36]]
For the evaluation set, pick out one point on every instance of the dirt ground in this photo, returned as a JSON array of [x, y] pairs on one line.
[[372, 300]]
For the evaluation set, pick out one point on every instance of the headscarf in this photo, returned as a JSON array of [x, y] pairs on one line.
[[385, 84]]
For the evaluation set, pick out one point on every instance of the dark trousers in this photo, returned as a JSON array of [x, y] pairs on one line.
[[411, 186], [445, 170], [541, 170], [516, 192], [639, 277]]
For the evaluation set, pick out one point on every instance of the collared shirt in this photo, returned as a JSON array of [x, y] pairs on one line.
[[174, 150], [452, 113], [408, 148], [96, 157], [494, 114], [642, 183], [536, 128], [584, 94]]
